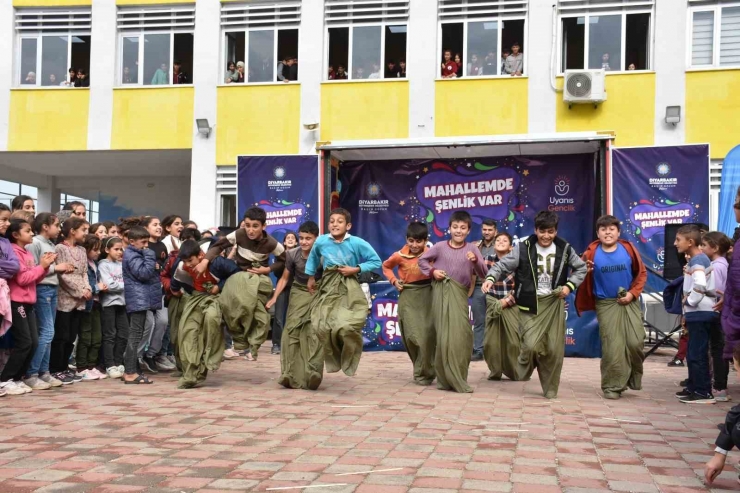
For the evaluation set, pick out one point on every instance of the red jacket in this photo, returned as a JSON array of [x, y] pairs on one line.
[[585, 299]]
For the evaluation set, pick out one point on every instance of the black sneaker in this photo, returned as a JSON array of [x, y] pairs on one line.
[[147, 364], [698, 399], [275, 349], [683, 393], [675, 362], [64, 378], [477, 356], [684, 383], [74, 376]]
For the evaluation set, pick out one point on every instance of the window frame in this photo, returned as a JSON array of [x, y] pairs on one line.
[[38, 36], [140, 35], [500, 31], [224, 48], [623, 41], [383, 25], [716, 36]]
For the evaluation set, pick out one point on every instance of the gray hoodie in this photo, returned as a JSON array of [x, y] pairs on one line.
[[111, 274], [38, 248]]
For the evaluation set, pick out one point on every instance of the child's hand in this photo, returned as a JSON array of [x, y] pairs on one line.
[[47, 259], [64, 268], [714, 467], [270, 303], [564, 293], [260, 271], [87, 294], [398, 284], [627, 299], [214, 289], [102, 286], [439, 275], [201, 267], [311, 285], [176, 294], [720, 304], [471, 256], [589, 265], [486, 287], [348, 271]]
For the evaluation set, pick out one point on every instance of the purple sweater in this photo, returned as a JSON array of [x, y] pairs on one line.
[[9, 263], [731, 310], [454, 262]]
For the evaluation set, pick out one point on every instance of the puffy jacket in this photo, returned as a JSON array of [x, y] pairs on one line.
[[141, 285], [731, 309]]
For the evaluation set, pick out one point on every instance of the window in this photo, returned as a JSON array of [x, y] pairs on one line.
[[51, 42], [710, 46], [226, 195], [366, 40], [482, 37], [595, 35], [92, 207], [10, 190], [156, 45], [260, 41]]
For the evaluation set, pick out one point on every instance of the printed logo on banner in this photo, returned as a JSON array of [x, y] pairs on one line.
[[562, 203], [663, 182], [562, 185], [373, 205], [279, 184]]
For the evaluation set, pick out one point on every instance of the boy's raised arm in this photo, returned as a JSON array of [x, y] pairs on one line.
[[579, 269], [504, 266]]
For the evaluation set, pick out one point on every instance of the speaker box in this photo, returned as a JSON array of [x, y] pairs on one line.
[[673, 263]]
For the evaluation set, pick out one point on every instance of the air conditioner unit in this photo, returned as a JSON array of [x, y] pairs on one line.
[[584, 87]]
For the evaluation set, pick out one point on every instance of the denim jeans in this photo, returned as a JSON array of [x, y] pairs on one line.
[[700, 382], [46, 312], [479, 318], [154, 329]]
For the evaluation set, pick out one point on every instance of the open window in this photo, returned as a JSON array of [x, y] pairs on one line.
[[482, 38], [51, 44], [156, 45], [366, 41], [715, 31]]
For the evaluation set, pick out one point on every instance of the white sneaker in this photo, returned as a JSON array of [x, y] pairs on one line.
[[121, 369], [11, 388], [87, 376], [114, 372], [35, 383], [25, 387], [99, 374], [46, 377]]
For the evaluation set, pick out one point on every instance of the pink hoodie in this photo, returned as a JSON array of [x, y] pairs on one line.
[[23, 284]]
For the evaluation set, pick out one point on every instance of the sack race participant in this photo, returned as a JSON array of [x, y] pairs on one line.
[[613, 287], [414, 299], [541, 298], [301, 355], [339, 309], [452, 265]]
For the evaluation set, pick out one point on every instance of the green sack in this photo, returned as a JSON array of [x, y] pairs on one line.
[[454, 335], [501, 345], [243, 306], [622, 341], [543, 343], [200, 337], [301, 355], [417, 329], [338, 314]]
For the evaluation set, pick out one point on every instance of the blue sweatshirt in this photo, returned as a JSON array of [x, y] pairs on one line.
[[351, 251]]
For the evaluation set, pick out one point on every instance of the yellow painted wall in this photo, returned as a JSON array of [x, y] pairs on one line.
[[481, 106], [48, 119], [257, 120], [50, 3], [629, 110], [153, 118], [364, 110], [712, 109]]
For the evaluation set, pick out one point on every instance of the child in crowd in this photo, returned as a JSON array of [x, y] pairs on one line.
[[200, 340], [88, 344], [143, 293], [301, 357], [414, 299], [46, 226], [113, 302], [501, 344], [244, 296], [8, 267], [99, 230], [111, 228], [453, 264], [74, 292], [22, 298], [715, 245], [612, 288], [172, 227], [278, 322], [699, 301], [339, 310], [541, 299]]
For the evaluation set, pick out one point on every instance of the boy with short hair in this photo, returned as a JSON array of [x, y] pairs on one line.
[[541, 299], [339, 310], [612, 288], [698, 307], [199, 336], [414, 300], [479, 299], [245, 294], [301, 355], [453, 264]]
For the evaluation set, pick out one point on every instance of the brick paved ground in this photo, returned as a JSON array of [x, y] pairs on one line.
[[243, 432]]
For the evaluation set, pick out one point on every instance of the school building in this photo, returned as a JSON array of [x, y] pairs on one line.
[[137, 137]]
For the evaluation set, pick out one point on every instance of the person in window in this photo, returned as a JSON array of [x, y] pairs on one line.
[[341, 74], [474, 67], [491, 64], [294, 69], [360, 73], [504, 55], [239, 76], [402, 69], [391, 72], [30, 78], [449, 67], [515, 62], [283, 69], [178, 76], [71, 77], [631, 66], [375, 74], [332, 74], [160, 76], [458, 62], [605, 62], [52, 80], [82, 79], [231, 73], [126, 77]]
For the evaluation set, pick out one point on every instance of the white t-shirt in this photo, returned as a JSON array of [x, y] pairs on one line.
[[545, 269]]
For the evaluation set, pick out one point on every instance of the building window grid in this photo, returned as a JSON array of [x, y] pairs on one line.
[[92, 207], [350, 46], [10, 190], [141, 61], [225, 51], [623, 41], [717, 10]]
